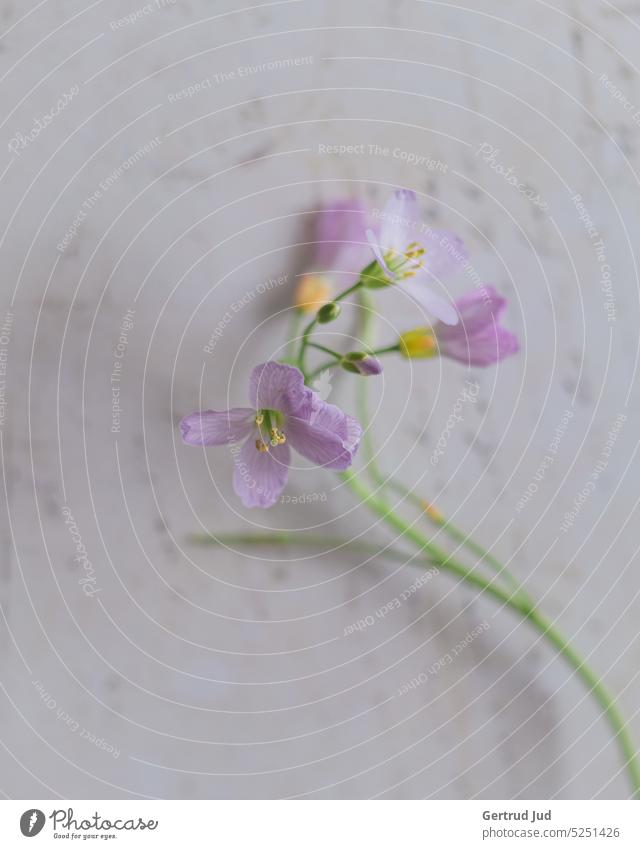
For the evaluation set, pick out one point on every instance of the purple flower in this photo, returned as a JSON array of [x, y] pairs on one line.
[[340, 236], [340, 245], [477, 340], [284, 413], [408, 250]]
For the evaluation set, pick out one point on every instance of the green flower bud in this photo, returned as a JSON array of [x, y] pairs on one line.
[[357, 362], [329, 312]]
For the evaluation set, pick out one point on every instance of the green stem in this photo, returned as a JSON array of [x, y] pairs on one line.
[[302, 540], [311, 326], [382, 480], [320, 369], [455, 533], [326, 350], [521, 605], [294, 326], [390, 349]]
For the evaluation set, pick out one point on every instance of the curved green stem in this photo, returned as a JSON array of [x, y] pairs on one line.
[[306, 333], [521, 605], [390, 349], [382, 480], [320, 369], [294, 324], [326, 350]]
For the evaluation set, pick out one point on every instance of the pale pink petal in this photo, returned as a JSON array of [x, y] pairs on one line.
[[444, 252], [418, 289], [217, 428], [330, 439], [260, 476], [275, 386], [400, 221], [377, 252], [484, 348], [478, 309], [340, 235]]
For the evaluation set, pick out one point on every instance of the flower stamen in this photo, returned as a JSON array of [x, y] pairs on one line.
[[277, 437]]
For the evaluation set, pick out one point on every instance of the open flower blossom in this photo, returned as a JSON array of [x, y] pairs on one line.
[[408, 250], [477, 340], [284, 414], [340, 246]]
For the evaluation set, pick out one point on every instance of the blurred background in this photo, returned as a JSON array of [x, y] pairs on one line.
[[164, 164]]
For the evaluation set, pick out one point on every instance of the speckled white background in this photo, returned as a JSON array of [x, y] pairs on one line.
[[217, 674]]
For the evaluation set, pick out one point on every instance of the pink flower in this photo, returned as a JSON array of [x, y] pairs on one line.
[[408, 250], [284, 413], [341, 243], [340, 246], [477, 340]]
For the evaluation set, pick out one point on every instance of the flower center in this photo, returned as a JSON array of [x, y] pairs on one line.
[[405, 264], [269, 423]]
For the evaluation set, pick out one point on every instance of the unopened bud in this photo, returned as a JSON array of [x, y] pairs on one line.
[[357, 362], [329, 312], [418, 343], [312, 292]]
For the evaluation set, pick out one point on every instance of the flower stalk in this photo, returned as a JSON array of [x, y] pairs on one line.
[[287, 413]]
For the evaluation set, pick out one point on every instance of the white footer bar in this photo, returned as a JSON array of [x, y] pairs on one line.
[[321, 824]]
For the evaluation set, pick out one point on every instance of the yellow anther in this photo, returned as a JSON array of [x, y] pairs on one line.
[[277, 437], [261, 446], [259, 419]]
